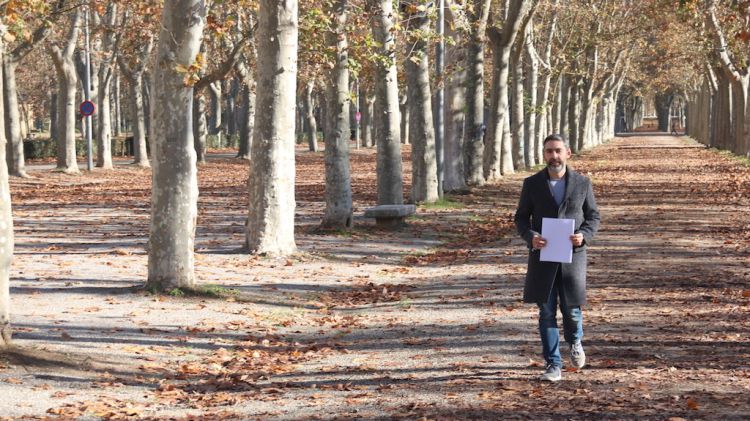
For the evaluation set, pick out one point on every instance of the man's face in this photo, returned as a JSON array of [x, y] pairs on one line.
[[556, 155]]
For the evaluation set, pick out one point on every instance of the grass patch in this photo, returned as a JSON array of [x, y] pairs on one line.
[[444, 203], [743, 160]]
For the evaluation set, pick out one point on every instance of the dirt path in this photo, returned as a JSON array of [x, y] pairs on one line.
[[421, 324]]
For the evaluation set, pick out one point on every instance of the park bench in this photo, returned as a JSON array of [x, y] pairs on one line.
[[390, 216]]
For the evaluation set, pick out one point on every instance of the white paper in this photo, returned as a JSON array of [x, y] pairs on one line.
[[557, 232]]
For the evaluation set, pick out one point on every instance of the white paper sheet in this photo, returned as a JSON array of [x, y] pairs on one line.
[[557, 232]]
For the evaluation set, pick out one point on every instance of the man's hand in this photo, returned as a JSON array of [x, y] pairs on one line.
[[538, 242], [577, 239]]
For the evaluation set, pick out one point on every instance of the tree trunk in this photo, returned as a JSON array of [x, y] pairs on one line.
[[740, 142], [573, 116], [174, 200], [14, 149], [474, 140], [138, 121], [67, 82], [247, 121], [6, 223], [109, 45], [338, 213], [215, 124], [367, 104], [424, 186], [404, 108], [270, 227], [517, 123], [662, 103], [104, 128], [389, 166], [54, 131], [116, 105], [455, 116], [200, 128], [722, 115], [312, 126], [231, 112], [531, 113]]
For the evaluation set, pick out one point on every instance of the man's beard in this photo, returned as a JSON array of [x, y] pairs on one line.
[[556, 167]]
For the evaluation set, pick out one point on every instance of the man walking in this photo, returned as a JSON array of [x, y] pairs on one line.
[[557, 192]]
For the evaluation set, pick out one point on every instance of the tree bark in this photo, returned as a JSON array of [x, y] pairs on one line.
[[572, 114], [455, 116], [138, 121], [518, 122], [14, 149], [231, 109], [200, 127], [6, 222], [215, 123], [174, 203], [116, 104], [389, 166], [532, 86], [424, 186], [338, 213], [110, 45], [403, 105], [67, 83], [474, 141], [54, 131], [247, 119], [270, 227], [312, 125]]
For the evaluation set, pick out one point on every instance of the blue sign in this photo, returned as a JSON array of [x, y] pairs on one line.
[[87, 108]]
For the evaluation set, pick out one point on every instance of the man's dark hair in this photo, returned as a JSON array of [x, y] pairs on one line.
[[555, 137]]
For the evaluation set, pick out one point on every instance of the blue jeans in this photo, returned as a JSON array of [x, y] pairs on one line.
[[572, 318]]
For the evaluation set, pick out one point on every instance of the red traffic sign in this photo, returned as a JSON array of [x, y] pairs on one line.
[[87, 108]]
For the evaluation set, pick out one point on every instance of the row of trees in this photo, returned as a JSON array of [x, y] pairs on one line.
[[516, 70]]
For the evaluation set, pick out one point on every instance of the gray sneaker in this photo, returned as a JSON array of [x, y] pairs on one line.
[[551, 374], [577, 356]]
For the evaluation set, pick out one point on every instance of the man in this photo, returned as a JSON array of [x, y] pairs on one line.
[[557, 192]]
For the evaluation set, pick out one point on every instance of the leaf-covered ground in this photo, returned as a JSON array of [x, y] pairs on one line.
[[425, 323]]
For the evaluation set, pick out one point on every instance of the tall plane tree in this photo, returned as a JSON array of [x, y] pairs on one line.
[[67, 79], [424, 184], [6, 222], [110, 45], [389, 168], [338, 213], [478, 12], [174, 200], [270, 224]]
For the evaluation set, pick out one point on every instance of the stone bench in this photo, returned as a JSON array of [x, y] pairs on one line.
[[390, 216]]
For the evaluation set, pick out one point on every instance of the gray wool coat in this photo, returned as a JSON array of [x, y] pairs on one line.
[[537, 202]]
